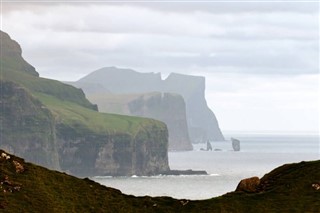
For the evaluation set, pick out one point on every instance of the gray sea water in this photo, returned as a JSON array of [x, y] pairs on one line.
[[260, 153]]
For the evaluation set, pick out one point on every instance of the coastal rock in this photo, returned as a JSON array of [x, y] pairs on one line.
[[166, 107], [54, 125], [201, 121], [235, 144], [118, 154], [248, 185]]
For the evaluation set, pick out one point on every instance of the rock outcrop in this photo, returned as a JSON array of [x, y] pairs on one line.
[[201, 121], [54, 125], [248, 185], [235, 144]]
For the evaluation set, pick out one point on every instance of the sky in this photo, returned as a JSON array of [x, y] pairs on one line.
[[260, 58]]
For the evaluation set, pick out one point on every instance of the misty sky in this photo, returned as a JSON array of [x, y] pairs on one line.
[[260, 59]]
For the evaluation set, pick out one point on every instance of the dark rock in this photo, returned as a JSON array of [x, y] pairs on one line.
[[209, 147], [185, 172], [248, 185], [235, 144]]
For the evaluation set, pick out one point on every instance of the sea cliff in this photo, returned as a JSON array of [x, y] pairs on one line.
[[167, 107], [54, 125], [201, 121]]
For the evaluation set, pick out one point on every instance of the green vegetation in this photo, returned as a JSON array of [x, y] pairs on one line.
[[73, 114], [32, 188], [46, 86], [69, 104], [54, 125]]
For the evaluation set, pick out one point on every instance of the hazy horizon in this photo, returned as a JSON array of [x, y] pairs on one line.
[[260, 59]]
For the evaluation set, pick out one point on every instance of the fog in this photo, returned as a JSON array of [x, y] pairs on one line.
[[260, 60]]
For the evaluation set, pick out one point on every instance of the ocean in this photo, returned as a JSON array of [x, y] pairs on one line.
[[260, 153]]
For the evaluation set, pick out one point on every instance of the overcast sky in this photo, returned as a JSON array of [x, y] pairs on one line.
[[260, 59]]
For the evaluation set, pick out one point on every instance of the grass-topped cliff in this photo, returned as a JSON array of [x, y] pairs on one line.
[[53, 124], [26, 187], [201, 121], [169, 108]]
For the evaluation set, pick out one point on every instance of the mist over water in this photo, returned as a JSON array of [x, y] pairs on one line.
[[259, 154]]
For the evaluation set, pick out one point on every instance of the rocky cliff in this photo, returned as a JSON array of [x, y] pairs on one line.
[[203, 124], [53, 124], [27, 126], [166, 107], [201, 121]]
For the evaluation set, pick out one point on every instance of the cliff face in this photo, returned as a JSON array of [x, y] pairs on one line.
[[27, 126], [201, 121], [166, 107], [203, 124], [54, 125], [116, 154], [169, 108]]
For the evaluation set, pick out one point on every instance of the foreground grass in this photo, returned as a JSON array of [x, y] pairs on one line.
[[285, 189]]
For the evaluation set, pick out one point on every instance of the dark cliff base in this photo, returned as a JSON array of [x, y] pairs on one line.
[[185, 172], [26, 187]]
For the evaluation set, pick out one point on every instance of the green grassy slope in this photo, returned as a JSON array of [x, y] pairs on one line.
[[47, 119], [73, 114], [36, 189], [67, 103]]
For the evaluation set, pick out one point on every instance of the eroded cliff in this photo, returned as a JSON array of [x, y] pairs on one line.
[[167, 107], [27, 126], [201, 121], [54, 125]]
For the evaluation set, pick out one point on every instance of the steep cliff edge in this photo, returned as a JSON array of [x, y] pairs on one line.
[[203, 124], [29, 188], [166, 107], [53, 124], [201, 121], [11, 55], [27, 126]]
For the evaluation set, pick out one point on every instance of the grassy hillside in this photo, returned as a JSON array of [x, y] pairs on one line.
[[46, 86], [75, 115], [67, 103], [54, 125], [26, 187]]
